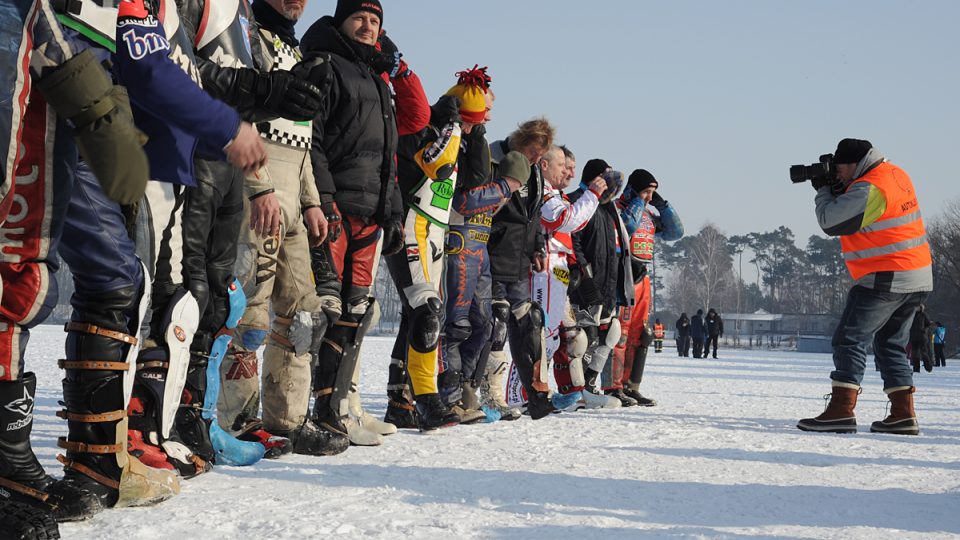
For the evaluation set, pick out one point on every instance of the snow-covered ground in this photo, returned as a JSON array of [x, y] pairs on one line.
[[720, 457]]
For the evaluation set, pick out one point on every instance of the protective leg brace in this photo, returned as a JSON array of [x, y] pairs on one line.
[[286, 369], [568, 360], [158, 388], [526, 347], [424, 333], [498, 365], [609, 338], [203, 383], [339, 355], [450, 379]]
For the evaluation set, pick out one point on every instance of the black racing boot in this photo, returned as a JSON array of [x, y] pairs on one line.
[[632, 390], [26, 510], [401, 414], [539, 405], [275, 445], [18, 463], [625, 400], [433, 413], [313, 439], [25, 521], [323, 415], [98, 471]]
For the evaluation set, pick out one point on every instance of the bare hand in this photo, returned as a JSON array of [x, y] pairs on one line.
[[265, 215], [316, 224], [539, 263], [246, 150]]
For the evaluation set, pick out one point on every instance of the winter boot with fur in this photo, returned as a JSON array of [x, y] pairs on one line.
[[838, 416], [902, 419]]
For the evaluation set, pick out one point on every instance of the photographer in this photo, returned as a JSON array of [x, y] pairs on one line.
[[872, 206]]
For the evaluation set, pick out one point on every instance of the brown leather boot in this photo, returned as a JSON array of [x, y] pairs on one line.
[[838, 416], [902, 419]]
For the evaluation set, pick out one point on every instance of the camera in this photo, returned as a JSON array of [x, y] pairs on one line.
[[823, 172]]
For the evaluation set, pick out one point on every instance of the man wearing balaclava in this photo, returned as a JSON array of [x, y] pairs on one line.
[[872, 206]]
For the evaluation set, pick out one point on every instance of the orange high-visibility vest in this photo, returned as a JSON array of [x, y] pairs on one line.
[[658, 331], [897, 240]]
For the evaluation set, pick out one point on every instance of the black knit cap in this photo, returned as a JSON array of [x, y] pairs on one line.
[[851, 151], [641, 179], [346, 8], [593, 169]]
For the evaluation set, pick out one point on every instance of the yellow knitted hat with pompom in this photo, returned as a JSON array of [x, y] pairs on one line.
[[471, 88]]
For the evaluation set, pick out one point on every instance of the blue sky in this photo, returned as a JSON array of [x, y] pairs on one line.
[[717, 99]]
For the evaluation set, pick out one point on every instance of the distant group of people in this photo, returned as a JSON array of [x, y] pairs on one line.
[[703, 331]]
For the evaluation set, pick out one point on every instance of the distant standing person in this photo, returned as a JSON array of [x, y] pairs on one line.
[[921, 338], [697, 332], [939, 340], [683, 335], [714, 332], [658, 333]]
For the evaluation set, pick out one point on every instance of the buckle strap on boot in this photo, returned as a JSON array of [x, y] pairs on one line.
[[88, 472], [111, 416], [24, 490], [84, 448], [401, 405], [93, 365], [333, 345], [322, 392], [100, 331]]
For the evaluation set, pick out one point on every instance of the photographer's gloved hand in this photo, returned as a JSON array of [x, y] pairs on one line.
[[819, 182], [392, 237], [389, 60], [657, 201], [288, 95], [334, 220]]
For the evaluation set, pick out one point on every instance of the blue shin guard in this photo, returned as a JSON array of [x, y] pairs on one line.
[[229, 450]]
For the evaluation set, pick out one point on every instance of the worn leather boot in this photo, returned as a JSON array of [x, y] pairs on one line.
[[902, 419], [838, 416]]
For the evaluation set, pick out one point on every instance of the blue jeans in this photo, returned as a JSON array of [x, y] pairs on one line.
[[884, 317]]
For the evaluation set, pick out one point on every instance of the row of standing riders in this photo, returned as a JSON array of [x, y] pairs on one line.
[[141, 138]]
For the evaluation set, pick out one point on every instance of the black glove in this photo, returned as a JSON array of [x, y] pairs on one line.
[[657, 201], [388, 58], [445, 111], [287, 95], [334, 221], [819, 182], [392, 237]]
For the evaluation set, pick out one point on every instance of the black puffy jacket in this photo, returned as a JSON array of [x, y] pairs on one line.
[[516, 236], [605, 275], [355, 132]]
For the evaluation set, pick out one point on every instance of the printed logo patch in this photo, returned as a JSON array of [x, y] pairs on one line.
[[23, 405]]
